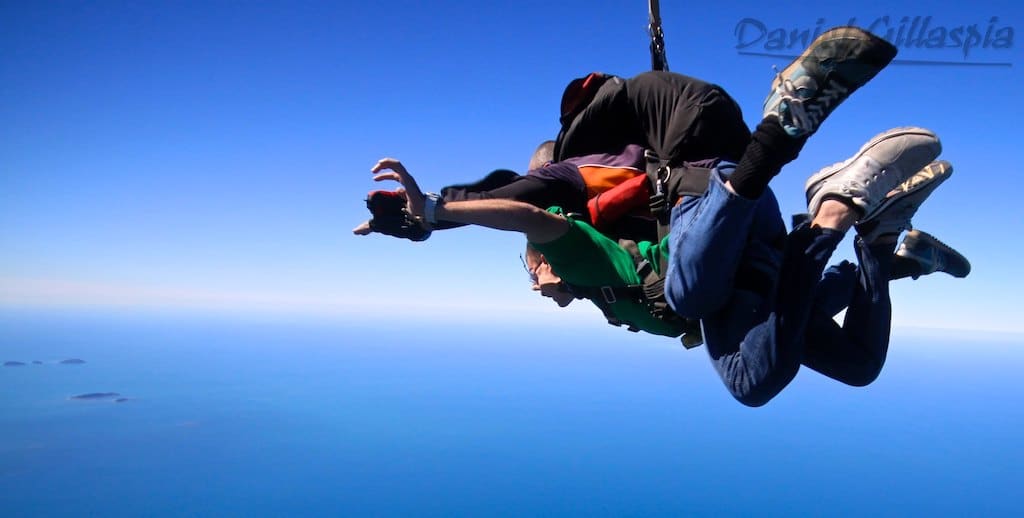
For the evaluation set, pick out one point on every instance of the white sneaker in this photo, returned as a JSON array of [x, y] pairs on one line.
[[866, 178]]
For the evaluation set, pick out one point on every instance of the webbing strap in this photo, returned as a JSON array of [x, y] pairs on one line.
[[658, 59], [668, 184], [604, 296], [650, 294]]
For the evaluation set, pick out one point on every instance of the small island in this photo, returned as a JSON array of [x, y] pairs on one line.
[[36, 362], [96, 395], [13, 364], [72, 361]]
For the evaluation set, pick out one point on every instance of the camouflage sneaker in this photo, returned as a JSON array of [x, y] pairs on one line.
[[903, 201], [933, 255], [881, 165], [835, 65]]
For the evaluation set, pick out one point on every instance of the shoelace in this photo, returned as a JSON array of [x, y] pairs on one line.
[[794, 104]]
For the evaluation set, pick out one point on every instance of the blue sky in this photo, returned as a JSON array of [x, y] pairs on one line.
[[213, 156]]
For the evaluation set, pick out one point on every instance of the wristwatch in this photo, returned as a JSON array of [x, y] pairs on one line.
[[430, 208]]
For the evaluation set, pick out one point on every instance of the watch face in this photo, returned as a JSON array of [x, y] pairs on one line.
[[430, 207]]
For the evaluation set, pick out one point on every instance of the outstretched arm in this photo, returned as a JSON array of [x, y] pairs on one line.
[[539, 225]]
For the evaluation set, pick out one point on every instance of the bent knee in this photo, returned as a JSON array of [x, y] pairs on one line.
[[753, 400], [863, 377], [754, 390]]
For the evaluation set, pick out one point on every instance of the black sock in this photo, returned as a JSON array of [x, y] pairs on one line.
[[769, 149], [885, 252]]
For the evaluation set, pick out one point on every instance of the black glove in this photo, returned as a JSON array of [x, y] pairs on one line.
[[391, 217]]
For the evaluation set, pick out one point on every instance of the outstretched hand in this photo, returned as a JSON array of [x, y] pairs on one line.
[[394, 170], [397, 213]]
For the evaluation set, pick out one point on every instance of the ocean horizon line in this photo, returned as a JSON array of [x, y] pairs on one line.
[[368, 315]]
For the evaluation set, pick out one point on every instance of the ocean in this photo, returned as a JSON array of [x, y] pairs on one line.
[[236, 416]]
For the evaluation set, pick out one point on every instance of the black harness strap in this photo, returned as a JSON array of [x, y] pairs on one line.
[[668, 184], [604, 296], [650, 293]]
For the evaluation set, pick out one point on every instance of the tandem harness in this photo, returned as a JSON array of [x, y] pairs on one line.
[[667, 184]]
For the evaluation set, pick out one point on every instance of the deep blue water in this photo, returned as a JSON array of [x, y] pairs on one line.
[[230, 417]]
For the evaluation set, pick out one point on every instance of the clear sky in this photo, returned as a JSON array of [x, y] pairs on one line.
[[215, 155]]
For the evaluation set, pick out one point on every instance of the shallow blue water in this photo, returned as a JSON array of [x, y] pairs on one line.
[[227, 417]]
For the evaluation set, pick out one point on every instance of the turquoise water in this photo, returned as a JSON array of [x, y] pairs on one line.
[[227, 417]]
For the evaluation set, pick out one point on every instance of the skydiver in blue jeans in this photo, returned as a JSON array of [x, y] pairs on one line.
[[763, 297]]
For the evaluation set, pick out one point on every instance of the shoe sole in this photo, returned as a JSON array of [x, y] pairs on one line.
[[817, 179], [836, 33], [946, 170], [940, 171]]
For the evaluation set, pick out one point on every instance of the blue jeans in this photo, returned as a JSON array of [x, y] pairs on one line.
[[715, 235], [758, 338]]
